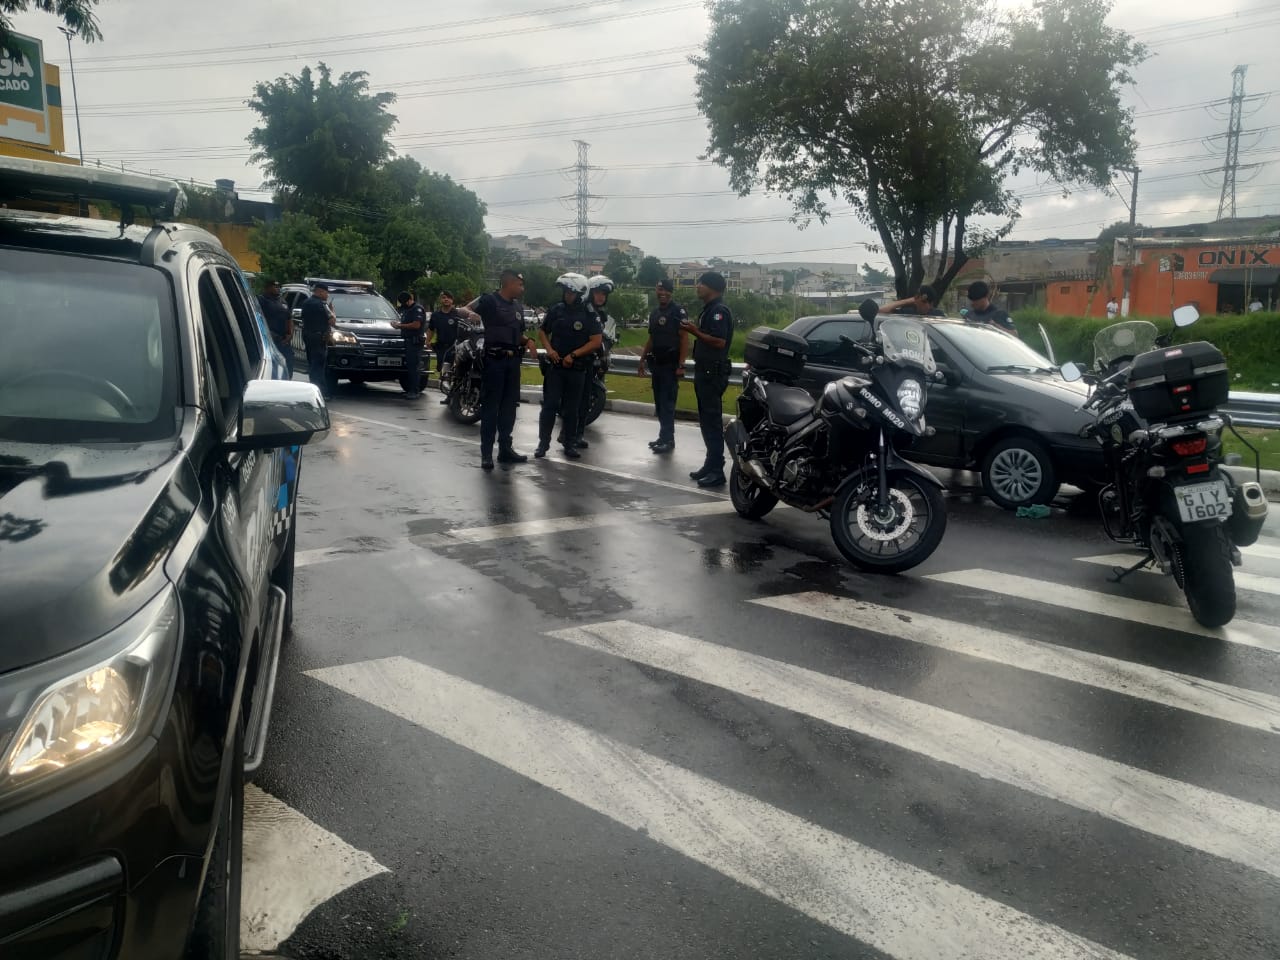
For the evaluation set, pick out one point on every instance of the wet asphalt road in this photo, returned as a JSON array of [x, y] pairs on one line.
[[584, 711]]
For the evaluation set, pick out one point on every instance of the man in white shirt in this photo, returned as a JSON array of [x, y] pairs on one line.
[[1113, 309], [1256, 306]]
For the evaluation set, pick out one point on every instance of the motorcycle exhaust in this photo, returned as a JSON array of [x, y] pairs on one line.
[[736, 438], [1249, 512]]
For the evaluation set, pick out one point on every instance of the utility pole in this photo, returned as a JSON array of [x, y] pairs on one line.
[[1227, 204], [1130, 258], [583, 169], [75, 96]]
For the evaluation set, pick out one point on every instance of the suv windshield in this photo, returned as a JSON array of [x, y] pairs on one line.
[[362, 307], [88, 350], [995, 352]]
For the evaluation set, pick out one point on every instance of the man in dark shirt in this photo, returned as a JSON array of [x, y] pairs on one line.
[[983, 310], [442, 330], [317, 321], [504, 344], [279, 320], [663, 358], [413, 327], [713, 333], [923, 304], [570, 334]]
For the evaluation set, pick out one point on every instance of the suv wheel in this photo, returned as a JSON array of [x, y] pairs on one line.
[[1017, 472], [215, 934]]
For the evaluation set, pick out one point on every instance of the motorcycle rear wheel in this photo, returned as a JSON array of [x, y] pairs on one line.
[[1207, 578], [599, 394], [905, 537], [464, 405], [751, 500]]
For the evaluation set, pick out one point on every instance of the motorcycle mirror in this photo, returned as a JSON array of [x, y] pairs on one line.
[[868, 309], [1185, 316], [1072, 372]]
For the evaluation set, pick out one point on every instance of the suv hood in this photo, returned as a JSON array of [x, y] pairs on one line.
[[365, 329], [84, 532]]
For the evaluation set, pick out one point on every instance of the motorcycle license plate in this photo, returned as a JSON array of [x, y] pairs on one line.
[[1204, 501], [389, 361]]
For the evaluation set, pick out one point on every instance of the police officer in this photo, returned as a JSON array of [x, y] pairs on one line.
[[663, 358], [413, 327], [279, 320], [317, 321], [713, 333], [983, 310], [598, 289], [570, 334], [504, 344], [442, 330]]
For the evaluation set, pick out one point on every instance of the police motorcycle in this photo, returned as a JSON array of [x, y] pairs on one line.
[[460, 377], [837, 457], [598, 393], [1158, 425]]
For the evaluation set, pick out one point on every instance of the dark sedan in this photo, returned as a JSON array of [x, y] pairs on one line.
[[1001, 408]]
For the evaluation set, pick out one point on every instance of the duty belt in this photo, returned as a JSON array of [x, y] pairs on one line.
[[499, 351]]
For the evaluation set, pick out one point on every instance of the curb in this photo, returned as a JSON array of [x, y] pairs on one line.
[[1270, 480]]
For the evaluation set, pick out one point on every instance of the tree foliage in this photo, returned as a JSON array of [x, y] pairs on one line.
[[651, 271], [916, 125], [875, 278], [78, 15], [297, 247], [620, 268]]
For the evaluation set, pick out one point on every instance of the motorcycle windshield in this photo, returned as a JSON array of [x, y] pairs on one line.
[[906, 341], [1121, 340]]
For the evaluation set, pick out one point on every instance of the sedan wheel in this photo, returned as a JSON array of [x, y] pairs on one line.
[[1017, 472]]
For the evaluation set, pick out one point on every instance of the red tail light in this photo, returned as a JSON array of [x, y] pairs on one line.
[[1198, 468], [1190, 448]]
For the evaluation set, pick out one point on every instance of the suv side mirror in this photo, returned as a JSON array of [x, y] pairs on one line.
[[280, 413]]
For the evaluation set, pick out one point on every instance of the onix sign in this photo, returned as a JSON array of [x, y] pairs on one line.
[[24, 110], [1235, 258]]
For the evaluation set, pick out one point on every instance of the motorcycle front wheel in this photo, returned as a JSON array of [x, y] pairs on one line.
[[1207, 578], [464, 405], [899, 538]]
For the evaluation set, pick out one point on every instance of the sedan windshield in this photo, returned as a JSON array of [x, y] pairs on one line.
[[362, 307], [995, 352], [88, 350]]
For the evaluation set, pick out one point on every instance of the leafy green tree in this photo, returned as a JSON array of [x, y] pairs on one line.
[[321, 141], [540, 288], [628, 306], [463, 287], [76, 14], [297, 247], [408, 247], [932, 108], [651, 271], [620, 268], [875, 278]]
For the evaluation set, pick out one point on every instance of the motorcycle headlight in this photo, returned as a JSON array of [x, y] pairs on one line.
[[64, 713], [911, 398], [343, 338]]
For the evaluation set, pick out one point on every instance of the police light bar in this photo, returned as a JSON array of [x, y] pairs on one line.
[[335, 284], [22, 179]]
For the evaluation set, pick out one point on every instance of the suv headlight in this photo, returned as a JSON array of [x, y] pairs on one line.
[[911, 398], [64, 713], [342, 338]]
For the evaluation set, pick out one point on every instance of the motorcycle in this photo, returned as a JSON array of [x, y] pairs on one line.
[[599, 367], [460, 378], [837, 456], [1161, 434]]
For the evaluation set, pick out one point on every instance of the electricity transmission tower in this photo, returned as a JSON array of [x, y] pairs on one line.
[[583, 199], [1227, 205]]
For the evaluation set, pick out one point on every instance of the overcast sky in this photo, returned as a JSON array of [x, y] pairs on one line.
[[493, 92]]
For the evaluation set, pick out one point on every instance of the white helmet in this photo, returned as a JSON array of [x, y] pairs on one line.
[[574, 282], [600, 282]]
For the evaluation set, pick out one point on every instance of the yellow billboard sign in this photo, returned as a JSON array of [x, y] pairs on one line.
[[24, 105]]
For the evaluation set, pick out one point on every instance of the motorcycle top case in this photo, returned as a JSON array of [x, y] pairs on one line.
[[1181, 381], [775, 354]]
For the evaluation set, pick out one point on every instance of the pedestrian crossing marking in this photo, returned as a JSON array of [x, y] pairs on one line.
[[1244, 580], [1263, 550], [291, 866], [895, 907], [1177, 618], [1217, 824], [1236, 705]]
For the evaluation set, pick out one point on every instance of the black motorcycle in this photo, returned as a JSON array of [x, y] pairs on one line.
[[837, 457], [1161, 434], [460, 377], [599, 393]]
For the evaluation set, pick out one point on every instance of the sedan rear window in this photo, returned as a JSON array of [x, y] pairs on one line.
[[88, 350]]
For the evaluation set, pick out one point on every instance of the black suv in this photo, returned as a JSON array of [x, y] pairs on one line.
[[149, 464], [363, 347]]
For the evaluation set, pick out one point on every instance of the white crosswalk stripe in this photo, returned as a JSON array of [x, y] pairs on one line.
[[1244, 580], [1263, 550], [1260, 635], [898, 908], [1248, 708]]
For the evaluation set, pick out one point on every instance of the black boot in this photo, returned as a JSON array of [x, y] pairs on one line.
[[509, 455]]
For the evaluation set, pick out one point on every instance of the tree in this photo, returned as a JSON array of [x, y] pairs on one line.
[[297, 247], [321, 142], [932, 108], [875, 278], [76, 14], [651, 271], [620, 268]]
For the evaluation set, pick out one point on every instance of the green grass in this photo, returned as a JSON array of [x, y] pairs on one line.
[[1267, 442], [623, 386]]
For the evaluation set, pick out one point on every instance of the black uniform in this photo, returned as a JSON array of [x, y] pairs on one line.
[[664, 365], [276, 312], [996, 316], [315, 334], [569, 328], [710, 380], [500, 383], [601, 317], [445, 327], [413, 341]]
